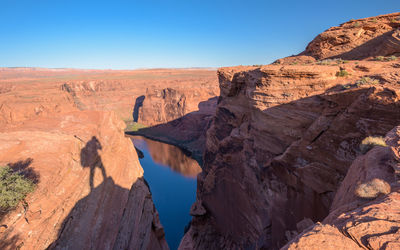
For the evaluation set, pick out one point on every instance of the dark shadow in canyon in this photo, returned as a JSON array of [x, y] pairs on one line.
[[187, 132], [138, 104], [103, 218], [302, 155], [78, 229], [111, 217], [90, 158]]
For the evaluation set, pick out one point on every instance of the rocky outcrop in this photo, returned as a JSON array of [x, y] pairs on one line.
[[167, 94], [187, 132], [358, 39], [365, 212], [90, 193], [280, 145], [160, 106]]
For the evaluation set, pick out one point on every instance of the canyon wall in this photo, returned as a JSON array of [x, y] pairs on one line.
[[188, 131], [365, 212], [282, 141], [90, 192], [44, 90]]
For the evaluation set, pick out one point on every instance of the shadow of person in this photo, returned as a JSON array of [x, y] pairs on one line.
[[90, 158]]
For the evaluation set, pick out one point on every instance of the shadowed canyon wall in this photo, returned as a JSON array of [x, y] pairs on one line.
[[282, 141]]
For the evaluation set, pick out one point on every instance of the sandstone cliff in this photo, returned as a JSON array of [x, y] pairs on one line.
[[45, 91], [365, 212], [90, 192], [283, 139], [187, 131]]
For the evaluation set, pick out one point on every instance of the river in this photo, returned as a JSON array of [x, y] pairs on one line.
[[172, 179]]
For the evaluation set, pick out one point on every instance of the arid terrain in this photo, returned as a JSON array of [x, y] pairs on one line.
[[65, 128], [279, 146]]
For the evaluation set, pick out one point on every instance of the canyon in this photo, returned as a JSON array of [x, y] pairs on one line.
[[278, 146], [64, 129]]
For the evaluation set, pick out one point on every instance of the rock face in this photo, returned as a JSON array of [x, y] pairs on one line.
[[282, 140], [165, 105], [358, 39], [90, 192], [188, 131], [358, 222]]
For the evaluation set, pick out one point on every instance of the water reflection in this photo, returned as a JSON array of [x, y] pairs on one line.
[[172, 179], [169, 156]]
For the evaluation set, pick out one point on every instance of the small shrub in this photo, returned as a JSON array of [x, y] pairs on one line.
[[13, 188], [346, 86], [324, 62], [372, 189], [370, 142], [385, 59], [367, 81], [287, 94], [331, 61], [133, 126], [342, 73], [356, 25], [374, 20]]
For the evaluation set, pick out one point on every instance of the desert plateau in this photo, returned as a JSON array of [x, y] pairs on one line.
[[302, 152]]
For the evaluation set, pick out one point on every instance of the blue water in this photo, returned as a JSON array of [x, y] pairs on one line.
[[173, 186]]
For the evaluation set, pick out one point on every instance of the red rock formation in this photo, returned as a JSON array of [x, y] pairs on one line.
[[114, 90], [280, 144], [187, 132], [164, 105], [358, 222], [90, 192], [359, 39]]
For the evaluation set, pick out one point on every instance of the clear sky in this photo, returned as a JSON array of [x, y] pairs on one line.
[[148, 34]]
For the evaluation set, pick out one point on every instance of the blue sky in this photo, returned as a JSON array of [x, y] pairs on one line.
[[148, 34]]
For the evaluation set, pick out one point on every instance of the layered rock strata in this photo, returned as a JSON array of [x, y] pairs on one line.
[[281, 143]]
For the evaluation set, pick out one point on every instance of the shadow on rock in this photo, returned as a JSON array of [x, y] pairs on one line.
[[90, 158], [110, 216], [23, 168]]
